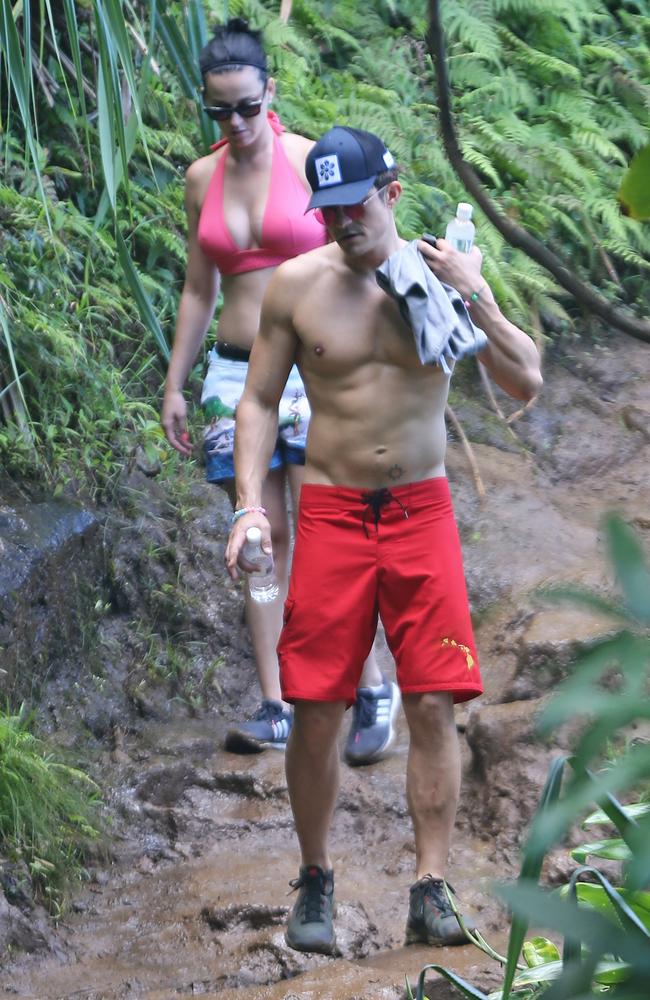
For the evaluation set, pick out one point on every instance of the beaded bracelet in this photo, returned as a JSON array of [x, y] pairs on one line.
[[473, 298], [247, 510]]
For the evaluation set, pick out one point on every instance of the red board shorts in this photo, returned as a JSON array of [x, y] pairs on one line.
[[360, 554]]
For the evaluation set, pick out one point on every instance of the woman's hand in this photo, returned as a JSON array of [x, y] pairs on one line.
[[174, 421]]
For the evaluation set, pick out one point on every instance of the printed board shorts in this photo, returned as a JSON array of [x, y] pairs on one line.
[[359, 554], [222, 390]]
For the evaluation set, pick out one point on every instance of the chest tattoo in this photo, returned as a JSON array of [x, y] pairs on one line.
[[395, 472]]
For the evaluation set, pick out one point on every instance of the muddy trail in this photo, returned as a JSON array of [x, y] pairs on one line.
[[194, 898]]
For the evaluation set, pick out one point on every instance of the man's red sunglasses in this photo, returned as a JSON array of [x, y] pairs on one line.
[[329, 214]]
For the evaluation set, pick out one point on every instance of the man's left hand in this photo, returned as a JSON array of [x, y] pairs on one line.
[[460, 270]]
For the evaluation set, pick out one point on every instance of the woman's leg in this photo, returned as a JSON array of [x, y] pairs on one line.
[[265, 620]]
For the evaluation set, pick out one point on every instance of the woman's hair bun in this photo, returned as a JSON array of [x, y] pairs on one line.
[[237, 24], [233, 43], [241, 24]]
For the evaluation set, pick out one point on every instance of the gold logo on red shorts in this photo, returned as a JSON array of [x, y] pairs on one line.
[[465, 650]]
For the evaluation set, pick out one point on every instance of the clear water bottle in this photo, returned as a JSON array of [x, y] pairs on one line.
[[262, 582], [460, 231]]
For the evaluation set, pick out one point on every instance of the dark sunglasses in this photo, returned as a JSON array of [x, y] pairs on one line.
[[245, 109], [330, 213]]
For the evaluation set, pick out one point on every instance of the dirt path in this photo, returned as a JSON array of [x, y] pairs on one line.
[[195, 901], [199, 907]]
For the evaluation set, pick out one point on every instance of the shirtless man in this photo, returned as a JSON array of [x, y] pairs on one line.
[[376, 531]]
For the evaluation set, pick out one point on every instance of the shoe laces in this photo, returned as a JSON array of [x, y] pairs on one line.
[[266, 712], [365, 711], [433, 889], [316, 885]]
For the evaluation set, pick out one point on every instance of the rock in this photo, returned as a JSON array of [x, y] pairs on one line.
[[164, 785], [356, 934], [26, 932], [636, 419], [51, 574], [147, 461], [508, 770], [550, 643], [16, 883]]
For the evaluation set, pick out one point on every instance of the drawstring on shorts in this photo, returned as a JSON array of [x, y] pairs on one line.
[[374, 501]]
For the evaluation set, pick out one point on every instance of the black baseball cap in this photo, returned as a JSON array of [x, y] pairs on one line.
[[342, 166]]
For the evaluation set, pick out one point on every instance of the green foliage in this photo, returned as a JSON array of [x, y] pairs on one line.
[[48, 810], [606, 928], [634, 193], [100, 121]]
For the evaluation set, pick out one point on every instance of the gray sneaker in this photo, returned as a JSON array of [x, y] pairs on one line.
[[372, 731], [431, 919], [310, 926], [269, 727]]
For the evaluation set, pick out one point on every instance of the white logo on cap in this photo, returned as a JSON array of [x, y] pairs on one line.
[[328, 170], [389, 159]]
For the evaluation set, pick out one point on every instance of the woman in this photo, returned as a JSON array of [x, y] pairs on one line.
[[245, 206]]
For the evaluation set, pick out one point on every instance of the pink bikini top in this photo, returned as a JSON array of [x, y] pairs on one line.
[[286, 230]]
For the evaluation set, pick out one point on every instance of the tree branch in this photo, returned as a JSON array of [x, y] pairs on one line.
[[514, 234]]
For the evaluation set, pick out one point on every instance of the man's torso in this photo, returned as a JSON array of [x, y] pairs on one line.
[[377, 412]]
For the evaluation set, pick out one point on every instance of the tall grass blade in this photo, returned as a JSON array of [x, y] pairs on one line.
[[181, 56], [531, 869], [585, 789], [623, 912], [581, 597], [27, 49], [57, 52], [598, 933], [10, 351], [111, 115], [186, 60], [586, 672], [632, 572], [19, 74], [143, 302], [574, 981], [75, 49], [638, 869], [197, 30], [467, 990]]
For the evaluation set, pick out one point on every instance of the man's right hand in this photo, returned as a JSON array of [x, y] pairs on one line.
[[174, 421], [233, 556]]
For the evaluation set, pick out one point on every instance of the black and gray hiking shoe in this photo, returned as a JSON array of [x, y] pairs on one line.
[[310, 926], [372, 731], [431, 919], [269, 727]]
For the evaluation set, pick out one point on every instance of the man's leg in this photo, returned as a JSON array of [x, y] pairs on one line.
[[312, 768], [432, 777], [432, 788]]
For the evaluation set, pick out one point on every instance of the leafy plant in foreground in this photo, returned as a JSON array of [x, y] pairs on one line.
[[48, 810], [606, 928]]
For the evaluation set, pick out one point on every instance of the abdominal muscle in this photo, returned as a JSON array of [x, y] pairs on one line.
[[383, 427]]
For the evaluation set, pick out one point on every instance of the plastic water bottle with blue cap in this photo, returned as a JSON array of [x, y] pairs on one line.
[[460, 231], [262, 581]]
